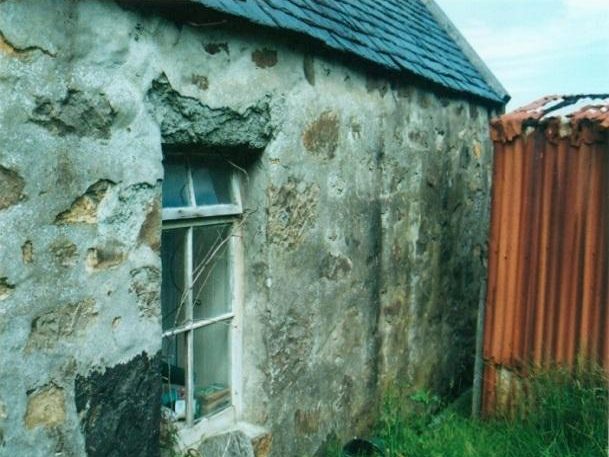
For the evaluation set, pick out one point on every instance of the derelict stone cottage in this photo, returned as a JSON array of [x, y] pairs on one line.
[[253, 215]]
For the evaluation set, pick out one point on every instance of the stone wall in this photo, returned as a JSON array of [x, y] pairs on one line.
[[366, 204]]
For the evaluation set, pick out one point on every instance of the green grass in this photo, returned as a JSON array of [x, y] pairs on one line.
[[567, 417]]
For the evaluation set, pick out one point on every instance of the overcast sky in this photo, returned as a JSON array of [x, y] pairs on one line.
[[538, 47]]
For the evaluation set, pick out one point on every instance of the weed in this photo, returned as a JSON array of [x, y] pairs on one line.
[[169, 441]]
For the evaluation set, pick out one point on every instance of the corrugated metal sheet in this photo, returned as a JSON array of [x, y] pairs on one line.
[[548, 290]]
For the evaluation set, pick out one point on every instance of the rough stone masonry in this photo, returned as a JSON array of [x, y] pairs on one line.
[[367, 219]]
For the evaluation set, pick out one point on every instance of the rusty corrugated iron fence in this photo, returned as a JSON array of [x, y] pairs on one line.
[[548, 288]]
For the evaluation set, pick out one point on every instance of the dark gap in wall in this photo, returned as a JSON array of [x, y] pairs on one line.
[[243, 156], [120, 409]]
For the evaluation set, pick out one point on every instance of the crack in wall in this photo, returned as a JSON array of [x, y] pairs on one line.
[[6, 47]]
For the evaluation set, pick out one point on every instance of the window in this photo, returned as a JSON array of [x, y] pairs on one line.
[[199, 296]]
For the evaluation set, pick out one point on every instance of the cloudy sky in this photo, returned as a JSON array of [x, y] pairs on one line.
[[538, 47]]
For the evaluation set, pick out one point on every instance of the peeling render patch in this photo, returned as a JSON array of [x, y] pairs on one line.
[[120, 409], [6, 288], [45, 407], [65, 322], [186, 120], [11, 187], [84, 208], [78, 113]]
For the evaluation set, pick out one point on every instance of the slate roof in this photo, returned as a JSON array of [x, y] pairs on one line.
[[396, 34]]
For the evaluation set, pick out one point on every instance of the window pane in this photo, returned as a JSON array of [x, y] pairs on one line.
[[173, 370], [212, 368], [211, 183], [173, 306], [175, 183], [212, 279]]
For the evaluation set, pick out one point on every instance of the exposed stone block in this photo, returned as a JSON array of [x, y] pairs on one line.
[[27, 252], [264, 58], [291, 212], [150, 231], [321, 137], [6, 288], [45, 407], [63, 322], [84, 208], [65, 252], [201, 81], [215, 48], [146, 285], [107, 256], [11, 187]]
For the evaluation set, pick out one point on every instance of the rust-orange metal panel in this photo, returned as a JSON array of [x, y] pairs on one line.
[[548, 287]]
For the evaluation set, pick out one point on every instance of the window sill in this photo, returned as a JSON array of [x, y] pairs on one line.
[[221, 422], [237, 435]]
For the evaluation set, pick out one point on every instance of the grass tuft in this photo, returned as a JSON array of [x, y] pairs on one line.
[[567, 417]]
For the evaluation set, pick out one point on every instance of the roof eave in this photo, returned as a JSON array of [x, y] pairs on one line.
[[468, 50]]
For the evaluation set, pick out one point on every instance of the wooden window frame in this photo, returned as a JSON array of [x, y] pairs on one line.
[[190, 218]]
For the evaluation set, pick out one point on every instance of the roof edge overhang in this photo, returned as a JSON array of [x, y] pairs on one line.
[[468, 50], [220, 17]]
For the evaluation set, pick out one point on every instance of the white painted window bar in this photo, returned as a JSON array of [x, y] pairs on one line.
[[196, 198]]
